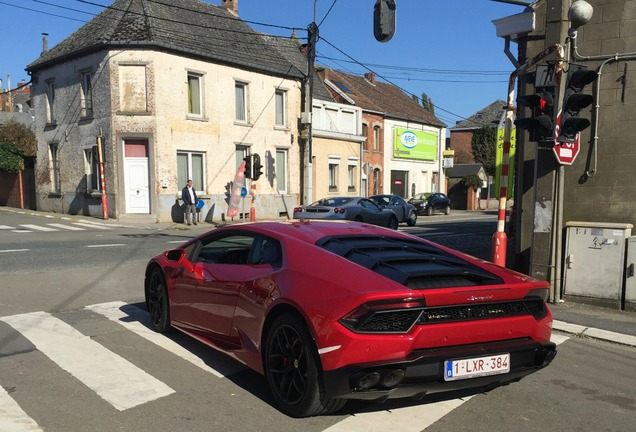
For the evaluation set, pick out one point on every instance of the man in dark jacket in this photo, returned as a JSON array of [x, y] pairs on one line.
[[189, 197]]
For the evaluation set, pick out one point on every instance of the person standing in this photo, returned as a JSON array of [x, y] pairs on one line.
[[189, 197]]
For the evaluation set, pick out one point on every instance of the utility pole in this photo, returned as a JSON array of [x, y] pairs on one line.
[[312, 32]]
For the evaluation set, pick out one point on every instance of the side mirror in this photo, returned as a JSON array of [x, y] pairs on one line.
[[174, 254]]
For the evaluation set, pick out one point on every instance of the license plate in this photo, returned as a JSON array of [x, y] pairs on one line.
[[476, 367]]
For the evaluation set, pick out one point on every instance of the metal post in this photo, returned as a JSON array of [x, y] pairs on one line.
[[252, 208], [102, 181]]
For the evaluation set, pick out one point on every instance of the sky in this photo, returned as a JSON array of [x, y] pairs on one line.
[[446, 49]]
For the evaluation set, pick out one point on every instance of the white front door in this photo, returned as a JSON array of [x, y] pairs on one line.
[[137, 185]]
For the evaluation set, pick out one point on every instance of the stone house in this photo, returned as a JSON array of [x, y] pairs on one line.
[[167, 93], [402, 154]]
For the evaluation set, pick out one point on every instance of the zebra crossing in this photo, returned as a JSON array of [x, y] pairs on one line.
[[125, 385], [53, 227]]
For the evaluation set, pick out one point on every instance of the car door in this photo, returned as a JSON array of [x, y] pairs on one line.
[[205, 296], [399, 208], [372, 213]]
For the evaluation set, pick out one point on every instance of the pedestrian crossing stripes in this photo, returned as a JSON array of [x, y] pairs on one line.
[[53, 227], [112, 377], [125, 385]]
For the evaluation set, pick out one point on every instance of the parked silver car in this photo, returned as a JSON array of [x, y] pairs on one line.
[[404, 211], [358, 209]]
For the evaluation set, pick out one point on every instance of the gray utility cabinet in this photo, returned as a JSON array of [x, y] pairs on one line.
[[595, 261], [630, 273]]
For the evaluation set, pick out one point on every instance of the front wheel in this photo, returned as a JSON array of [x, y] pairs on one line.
[[292, 370], [447, 211], [157, 301], [429, 211]]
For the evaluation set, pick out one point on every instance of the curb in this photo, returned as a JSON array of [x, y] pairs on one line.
[[594, 333]]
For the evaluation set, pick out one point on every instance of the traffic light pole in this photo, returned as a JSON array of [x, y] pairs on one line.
[[500, 239]]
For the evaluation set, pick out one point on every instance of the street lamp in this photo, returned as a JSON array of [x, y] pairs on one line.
[[579, 14]]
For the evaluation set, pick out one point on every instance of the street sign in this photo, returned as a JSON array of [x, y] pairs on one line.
[[565, 152]]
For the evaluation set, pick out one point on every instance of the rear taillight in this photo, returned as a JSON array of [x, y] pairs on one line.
[[338, 210], [543, 293], [298, 209], [385, 316]]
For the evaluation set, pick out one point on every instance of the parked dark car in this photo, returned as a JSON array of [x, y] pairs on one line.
[[431, 202], [357, 209], [404, 211]]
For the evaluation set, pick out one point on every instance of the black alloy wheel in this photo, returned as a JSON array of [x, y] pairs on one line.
[[157, 301], [292, 370]]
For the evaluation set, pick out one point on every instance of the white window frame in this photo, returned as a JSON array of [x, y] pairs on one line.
[[194, 100], [189, 174], [242, 151], [54, 159], [352, 175], [376, 138], [333, 174], [281, 170], [280, 115], [50, 101], [91, 167], [241, 113], [87, 94]]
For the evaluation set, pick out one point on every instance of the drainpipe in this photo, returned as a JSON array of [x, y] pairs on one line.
[[101, 176]]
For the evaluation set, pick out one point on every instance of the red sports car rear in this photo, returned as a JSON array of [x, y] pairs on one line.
[[330, 311]]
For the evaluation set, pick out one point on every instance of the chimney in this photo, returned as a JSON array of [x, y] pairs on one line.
[[370, 76], [45, 42], [230, 5]]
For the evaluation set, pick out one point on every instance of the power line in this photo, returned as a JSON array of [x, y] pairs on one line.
[[327, 14], [42, 12]]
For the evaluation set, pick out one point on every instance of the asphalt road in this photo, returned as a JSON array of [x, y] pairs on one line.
[[101, 369]]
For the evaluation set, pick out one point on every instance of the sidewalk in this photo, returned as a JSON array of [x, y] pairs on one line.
[[578, 319]]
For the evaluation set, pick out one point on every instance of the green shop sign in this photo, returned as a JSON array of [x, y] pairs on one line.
[[413, 144]]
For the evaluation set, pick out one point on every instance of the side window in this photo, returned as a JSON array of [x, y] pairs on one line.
[[266, 251], [230, 249]]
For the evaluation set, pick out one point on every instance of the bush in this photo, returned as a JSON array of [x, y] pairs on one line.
[[10, 159]]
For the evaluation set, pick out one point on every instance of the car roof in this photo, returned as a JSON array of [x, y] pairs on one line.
[[313, 230]]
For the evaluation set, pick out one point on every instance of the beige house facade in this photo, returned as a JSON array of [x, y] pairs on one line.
[[337, 150], [161, 115]]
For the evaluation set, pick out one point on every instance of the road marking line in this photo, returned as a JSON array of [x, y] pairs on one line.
[[90, 225], [558, 338], [138, 321], [112, 377], [66, 227], [13, 250], [37, 227], [12, 416], [6, 227], [410, 419], [106, 245]]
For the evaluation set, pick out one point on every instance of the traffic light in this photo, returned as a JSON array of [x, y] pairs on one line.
[[248, 166], [384, 20], [541, 123], [574, 101], [258, 168]]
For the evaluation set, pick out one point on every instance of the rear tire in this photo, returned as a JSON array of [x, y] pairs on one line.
[[447, 211], [292, 369], [412, 220]]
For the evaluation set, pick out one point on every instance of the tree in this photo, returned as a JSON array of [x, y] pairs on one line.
[[462, 157], [473, 181], [484, 147], [20, 135], [427, 103]]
